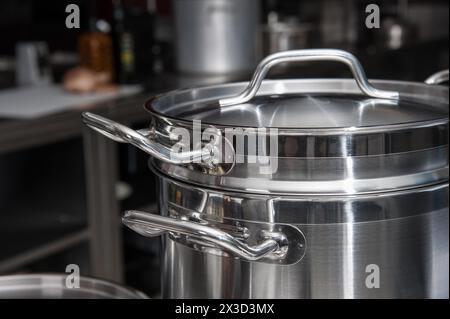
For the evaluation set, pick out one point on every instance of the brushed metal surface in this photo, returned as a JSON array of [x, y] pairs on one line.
[[301, 208], [351, 175], [411, 253], [404, 233]]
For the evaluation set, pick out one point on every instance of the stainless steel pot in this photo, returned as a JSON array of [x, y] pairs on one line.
[[217, 36], [355, 207], [53, 286]]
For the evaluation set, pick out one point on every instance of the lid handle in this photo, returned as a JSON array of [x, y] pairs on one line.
[[308, 55]]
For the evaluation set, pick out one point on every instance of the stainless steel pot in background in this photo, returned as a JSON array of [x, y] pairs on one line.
[[217, 36], [53, 286], [288, 34]]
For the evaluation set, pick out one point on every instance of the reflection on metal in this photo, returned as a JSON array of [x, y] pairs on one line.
[[404, 233]]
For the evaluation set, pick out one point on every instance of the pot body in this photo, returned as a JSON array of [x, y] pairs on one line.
[[390, 245]]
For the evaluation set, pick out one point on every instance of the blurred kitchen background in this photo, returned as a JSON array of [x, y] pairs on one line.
[[62, 187]]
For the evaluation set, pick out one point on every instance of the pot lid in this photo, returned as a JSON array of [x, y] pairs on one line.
[[325, 136], [305, 104], [312, 111], [333, 136]]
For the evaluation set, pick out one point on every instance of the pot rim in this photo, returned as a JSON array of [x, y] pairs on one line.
[[342, 86], [100, 287]]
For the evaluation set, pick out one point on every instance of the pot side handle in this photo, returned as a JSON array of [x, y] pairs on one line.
[[143, 140], [308, 55], [273, 244], [438, 78]]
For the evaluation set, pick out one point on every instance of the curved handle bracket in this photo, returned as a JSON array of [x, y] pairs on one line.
[[285, 246], [308, 55]]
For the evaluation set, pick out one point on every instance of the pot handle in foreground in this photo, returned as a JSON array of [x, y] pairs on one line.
[[272, 244], [308, 55], [438, 78], [143, 139]]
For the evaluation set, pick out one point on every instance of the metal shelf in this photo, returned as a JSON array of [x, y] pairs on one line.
[[103, 231], [35, 247]]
